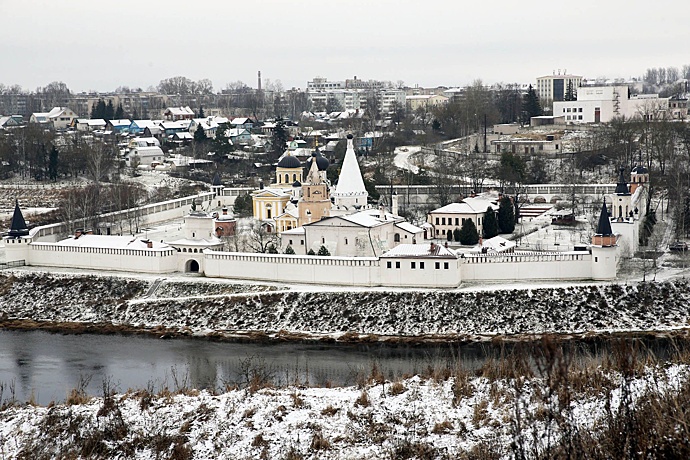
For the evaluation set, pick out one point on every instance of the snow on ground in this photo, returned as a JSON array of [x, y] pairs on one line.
[[402, 158], [228, 309], [412, 418]]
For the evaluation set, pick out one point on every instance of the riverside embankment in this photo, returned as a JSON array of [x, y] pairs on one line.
[[190, 307]]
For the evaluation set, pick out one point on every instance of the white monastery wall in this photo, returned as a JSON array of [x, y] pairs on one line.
[[420, 272], [293, 269], [568, 266], [131, 260]]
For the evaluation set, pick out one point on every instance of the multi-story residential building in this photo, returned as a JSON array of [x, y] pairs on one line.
[[551, 88], [424, 100]]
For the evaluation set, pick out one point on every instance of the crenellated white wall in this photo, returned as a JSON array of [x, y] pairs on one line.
[[130, 260], [557, 266]]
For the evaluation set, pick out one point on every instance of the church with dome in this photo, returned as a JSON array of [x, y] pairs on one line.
[[293, 200]]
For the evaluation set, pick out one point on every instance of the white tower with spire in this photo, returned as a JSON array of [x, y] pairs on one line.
[[350, 195]]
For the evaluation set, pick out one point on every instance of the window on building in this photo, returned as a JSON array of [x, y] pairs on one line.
[[412, 265], [445, 265], [397, 265], [456, 221], [396, 238], [443, 221], [301, 242], [438, 265], [388, 264], [421, 265], [290, 242], [437, 221], [345, 240]]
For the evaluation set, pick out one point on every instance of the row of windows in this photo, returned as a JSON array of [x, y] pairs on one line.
[[575, 109], [574, 117], [457, 221], [413, 265]]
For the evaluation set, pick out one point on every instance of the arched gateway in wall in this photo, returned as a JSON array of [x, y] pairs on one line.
[[192, 266]]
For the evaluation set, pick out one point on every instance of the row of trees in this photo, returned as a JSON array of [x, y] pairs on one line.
[[666, 75]]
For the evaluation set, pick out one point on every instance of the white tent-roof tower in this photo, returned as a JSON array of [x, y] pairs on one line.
[[350, 192]]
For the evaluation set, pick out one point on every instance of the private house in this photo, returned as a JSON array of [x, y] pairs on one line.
[[9, 122], [178, 113], [171, 127], [119, 126], [143, 151], [89, 125], [238, 135], [138, 126], [242, 123], [59, 118]]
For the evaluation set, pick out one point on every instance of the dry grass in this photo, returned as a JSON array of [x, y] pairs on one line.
[[397, 388], [319, 442], [363, 399], [442, 428], [330, 410]]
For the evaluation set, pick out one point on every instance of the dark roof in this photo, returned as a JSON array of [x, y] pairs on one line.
[[604, 225], [18, 227], [289, 161], [639, 169], [622, 185], [321, 161], [297, 184], [216, 180]]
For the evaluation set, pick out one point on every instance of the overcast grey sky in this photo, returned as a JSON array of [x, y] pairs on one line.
[[102, 45]]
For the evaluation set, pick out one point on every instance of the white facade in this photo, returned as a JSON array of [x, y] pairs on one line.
[[600, 104]]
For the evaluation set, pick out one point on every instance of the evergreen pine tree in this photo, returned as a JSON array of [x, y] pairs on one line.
[[490, 228], [221, 142], [200, 135], [98, 110], [530, 105], [449, 235], [311, 252], [456, 234], [570, 94], [272, 249], [506, 215], [468, 233], [109, 111], [323, 251], [53, 163], [201, 112], [279, 138], [289, 250], [119, 112], [243, 206]]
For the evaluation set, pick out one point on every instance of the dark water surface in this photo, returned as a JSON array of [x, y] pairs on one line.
[[46, 366]]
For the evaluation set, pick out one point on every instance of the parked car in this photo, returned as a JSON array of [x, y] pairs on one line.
[[678, 246]]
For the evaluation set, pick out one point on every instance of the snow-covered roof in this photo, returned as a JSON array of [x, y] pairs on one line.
[[350, 181], [421, 250], [91, 122], [467, 206], [123, 122], [408, 227], [241, 121], [498, 244], [111, 242], [180, 111], [294, 231], [184, 135], [144, 123]]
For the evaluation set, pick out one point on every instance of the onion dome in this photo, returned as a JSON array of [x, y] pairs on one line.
[[288, 161], [321, 161]]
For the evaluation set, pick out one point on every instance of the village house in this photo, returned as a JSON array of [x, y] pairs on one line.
[[178, 113], [451, 216]]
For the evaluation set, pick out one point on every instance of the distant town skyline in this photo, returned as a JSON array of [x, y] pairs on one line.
[[92, 47]]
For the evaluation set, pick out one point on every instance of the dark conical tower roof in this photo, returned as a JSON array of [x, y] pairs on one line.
[[622, 186], [604, 225], [18, 227]]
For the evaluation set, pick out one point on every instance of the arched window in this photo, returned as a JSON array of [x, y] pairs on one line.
[[396, 238], [287, 178], [294, 177]]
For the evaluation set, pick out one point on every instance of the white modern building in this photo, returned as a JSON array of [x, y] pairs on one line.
[[600, 104]]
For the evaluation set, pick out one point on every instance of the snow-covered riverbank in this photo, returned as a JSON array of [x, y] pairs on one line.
[[199, 307]]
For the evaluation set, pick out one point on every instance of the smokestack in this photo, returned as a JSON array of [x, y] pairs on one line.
[[259, 80]]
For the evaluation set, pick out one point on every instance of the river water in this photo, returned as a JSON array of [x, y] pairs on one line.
[[46, 366]]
